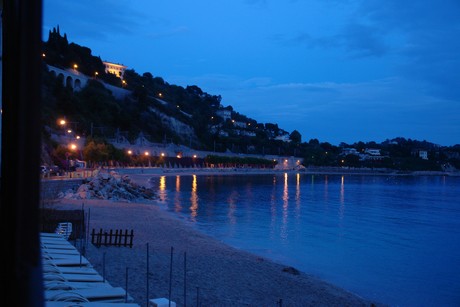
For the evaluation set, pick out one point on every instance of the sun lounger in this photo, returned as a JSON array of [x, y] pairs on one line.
[[72, 277], [72, 285], [90, 304], [57, 245], [69, 270], [91, 294], [67, 261]]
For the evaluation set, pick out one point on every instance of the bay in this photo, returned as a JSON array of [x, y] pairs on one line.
[[393, 239]]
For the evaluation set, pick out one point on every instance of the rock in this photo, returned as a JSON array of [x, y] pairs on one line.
[[111, 186]]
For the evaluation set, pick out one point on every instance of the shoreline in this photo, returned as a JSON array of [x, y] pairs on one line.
[[158, 171], [217, 274]]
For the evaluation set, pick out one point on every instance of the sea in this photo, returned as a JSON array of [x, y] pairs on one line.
[[391, 239]]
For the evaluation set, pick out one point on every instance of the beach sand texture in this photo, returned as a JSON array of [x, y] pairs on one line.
[[216, 274]]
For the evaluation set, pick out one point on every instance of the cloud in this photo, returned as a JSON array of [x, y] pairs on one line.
[[426, 38], [356, 40]]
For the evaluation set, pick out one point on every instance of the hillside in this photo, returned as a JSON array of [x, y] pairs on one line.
[[163, 113]]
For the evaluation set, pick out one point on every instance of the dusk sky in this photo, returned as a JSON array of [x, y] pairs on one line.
[[337, 70]]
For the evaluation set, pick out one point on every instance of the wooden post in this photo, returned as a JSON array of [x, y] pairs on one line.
[[170, 276], [111, 234], [119, 237], [185, 279], [105, 238], [147, 272], [131, 239], [126, 293], [99, 238]]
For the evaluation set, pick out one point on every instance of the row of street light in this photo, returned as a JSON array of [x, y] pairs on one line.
[[147, 153]]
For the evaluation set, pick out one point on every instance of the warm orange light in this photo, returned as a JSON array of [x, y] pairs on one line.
[[130, 152], [146, 153], [73, 146], [75, 66], [62, 122], [194, 156], [77, 137], [69, 131], [162, 154]]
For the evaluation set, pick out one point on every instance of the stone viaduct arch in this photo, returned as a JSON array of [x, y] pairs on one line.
[[70, 78], [77, 81]]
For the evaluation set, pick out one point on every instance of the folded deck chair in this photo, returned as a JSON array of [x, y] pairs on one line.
[[64, 229]]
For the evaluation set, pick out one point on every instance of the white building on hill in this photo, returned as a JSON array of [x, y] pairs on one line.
[[114, 68]]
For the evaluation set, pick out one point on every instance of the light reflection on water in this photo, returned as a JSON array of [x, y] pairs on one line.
[[373, 235]]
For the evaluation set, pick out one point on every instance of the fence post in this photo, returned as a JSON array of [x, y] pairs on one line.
[[110, 237], [131, 239], [99, 238], [105, 238], [126, 237], [120, 237]]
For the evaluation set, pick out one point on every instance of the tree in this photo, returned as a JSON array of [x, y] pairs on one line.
[[295, 137]]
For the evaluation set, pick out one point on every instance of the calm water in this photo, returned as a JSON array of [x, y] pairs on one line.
[[392, 239]]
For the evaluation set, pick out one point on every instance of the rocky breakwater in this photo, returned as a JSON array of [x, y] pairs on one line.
[[110, 186]]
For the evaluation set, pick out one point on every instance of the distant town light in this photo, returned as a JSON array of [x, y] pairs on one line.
[[73, 146], [62, 122], [75, 66], [130, 152], [162, 154], [146, 153]]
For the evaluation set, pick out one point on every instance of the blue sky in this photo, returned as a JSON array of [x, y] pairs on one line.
[[336, 70]]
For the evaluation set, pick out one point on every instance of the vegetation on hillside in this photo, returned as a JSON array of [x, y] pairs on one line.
[[95, 113]]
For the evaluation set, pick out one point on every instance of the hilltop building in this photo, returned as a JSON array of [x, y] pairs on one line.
[[115, 68]]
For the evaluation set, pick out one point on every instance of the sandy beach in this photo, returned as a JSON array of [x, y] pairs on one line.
[[215, 273]]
